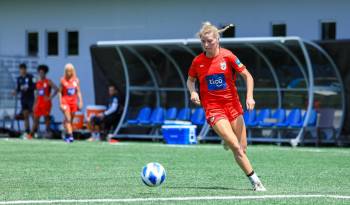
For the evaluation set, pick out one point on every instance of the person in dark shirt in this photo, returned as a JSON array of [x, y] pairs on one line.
[[108, 118], [25, 87]]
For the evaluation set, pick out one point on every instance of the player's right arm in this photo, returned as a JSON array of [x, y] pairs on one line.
[[191, 83], [191, 86], [60, 96]]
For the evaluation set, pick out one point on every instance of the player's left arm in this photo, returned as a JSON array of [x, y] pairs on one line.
[[55, 89], [248, 78], [80, 98]]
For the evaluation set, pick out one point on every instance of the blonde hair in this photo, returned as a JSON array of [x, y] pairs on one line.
[[69, 66], [207, 27]]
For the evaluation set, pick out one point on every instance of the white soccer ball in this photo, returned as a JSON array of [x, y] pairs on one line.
[[153, 174]]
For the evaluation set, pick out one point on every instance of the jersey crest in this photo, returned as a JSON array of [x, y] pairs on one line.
[[223, 65]]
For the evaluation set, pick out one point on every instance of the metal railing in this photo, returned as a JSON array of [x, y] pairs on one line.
[[9, 71]]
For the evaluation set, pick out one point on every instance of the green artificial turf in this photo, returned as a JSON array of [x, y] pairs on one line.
[[53, 170]]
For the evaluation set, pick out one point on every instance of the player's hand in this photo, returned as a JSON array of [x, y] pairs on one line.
[[63, 107], [195, 98], [250, 103]]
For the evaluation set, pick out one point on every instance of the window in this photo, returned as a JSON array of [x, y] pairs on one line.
[[230, 32], [32, 43], [328, 30], [279, 29], [52, 43], [73, 43]]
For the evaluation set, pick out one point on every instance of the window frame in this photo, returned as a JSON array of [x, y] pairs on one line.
[[279, 24], [322, 23], [67, 42], [48, 43], [28, 43]]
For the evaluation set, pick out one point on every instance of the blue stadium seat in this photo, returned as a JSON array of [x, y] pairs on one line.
[[313, 118], [158, 116], [293, 119], [143, 115], [310, 123], [184, 114], [171, 113], [262, 115], [249, 118], [198, 116], [278, 116]]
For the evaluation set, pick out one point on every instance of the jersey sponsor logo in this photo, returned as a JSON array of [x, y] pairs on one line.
[[24, 87], [41, 92], [71, 91], [223, 65], [201, 66], [216, 82], [238, 62]]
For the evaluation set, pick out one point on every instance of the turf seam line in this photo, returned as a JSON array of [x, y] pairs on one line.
[[198, 198]]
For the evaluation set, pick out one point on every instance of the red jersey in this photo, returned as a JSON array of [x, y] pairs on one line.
[[69, 90], [216, 76], [43, 90]]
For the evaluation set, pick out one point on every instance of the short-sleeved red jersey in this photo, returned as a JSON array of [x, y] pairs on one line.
[[43, 89], [43, 104], [216, 76], [69, 90]]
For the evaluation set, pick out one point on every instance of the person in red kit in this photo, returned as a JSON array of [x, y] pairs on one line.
[[216, 70], [42, 104], [70, 99]]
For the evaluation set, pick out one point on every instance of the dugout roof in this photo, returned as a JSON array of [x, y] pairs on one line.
[[289, 72]]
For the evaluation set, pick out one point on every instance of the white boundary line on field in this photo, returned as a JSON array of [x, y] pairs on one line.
[[195, 198]]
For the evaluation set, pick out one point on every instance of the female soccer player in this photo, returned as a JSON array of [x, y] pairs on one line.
[[70, 99], [216, 70], [42, 103]]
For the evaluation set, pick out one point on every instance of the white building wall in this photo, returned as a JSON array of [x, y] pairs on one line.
[[152, 19]]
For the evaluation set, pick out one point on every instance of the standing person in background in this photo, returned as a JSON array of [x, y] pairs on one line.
[[25, 87], [108, 118], [70, 99], [42, 104], [216, 70]]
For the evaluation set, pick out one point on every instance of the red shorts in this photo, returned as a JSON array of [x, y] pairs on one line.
[[71, 108], [217, 111], [42, 109]]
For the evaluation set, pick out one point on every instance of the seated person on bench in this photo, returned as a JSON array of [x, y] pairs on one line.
[[108, 118]]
